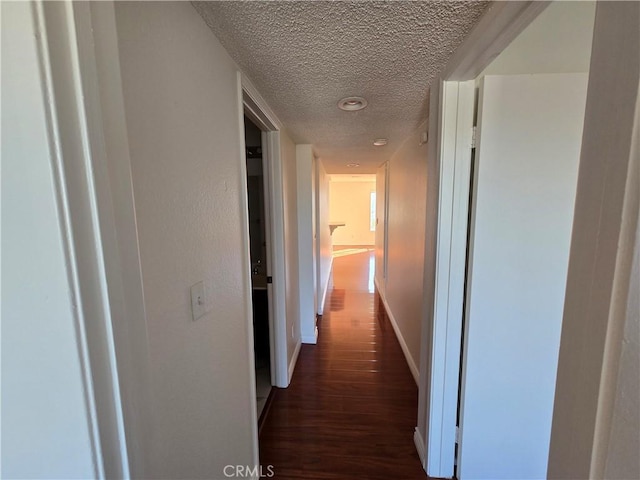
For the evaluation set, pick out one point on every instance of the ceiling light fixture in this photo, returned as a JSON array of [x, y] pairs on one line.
[[353, 165], [352, 104], [380, 142]]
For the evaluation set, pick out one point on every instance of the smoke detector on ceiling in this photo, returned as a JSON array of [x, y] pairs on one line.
[[352, 104]]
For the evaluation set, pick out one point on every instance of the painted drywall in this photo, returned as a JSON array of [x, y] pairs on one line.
[[595, 304], [181, 99], [290, 194], [524, 193], [557, 41], [404, 288], [351, 204], [306, 276], [323, 234], [45, 417]]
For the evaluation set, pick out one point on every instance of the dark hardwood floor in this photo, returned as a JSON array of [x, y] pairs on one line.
[[351, 408]]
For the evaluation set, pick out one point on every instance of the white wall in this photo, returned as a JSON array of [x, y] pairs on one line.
[[46, 431], [593, 436], [404, 288], [290, 194], [350, 204], [305, 208], [557, 41], [530, 131], [182, 108], [324, 240]]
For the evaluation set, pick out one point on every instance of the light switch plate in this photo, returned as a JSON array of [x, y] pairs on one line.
[[198, 304]]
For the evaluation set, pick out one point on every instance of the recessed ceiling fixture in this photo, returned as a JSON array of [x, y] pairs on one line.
[[353, 164], [380, 142], [352, 104]]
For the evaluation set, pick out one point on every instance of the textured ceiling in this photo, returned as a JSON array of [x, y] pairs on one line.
[[304, 56]]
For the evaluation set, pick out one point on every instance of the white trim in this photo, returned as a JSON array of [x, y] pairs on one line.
[[113, 182], [405, 349], [419, 443], [326, 289], [257, 109], [68, 55], [454, 143], [263, 108], [294, 360], [246, 271], [51, 21]]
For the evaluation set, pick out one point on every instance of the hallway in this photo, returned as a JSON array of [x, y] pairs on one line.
[[351, 408]]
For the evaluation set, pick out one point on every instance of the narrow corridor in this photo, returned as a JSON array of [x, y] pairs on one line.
[[350, 411]]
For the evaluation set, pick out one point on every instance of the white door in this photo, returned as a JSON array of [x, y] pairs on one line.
[[529, 134], [381, 220]]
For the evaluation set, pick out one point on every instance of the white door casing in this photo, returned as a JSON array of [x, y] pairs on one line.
[[382, 209]]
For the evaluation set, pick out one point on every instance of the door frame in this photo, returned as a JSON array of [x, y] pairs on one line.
[[601, 232], [321, 288], [380, 277], [79, 53], [253, 106], [452, 103], [455, 149]]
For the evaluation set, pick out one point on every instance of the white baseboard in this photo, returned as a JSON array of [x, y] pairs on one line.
[[294, 360], [419, 442], [311, 339], [396, 329], [326, 289]]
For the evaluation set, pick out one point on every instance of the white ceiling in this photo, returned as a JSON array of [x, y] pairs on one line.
[[304, 56]]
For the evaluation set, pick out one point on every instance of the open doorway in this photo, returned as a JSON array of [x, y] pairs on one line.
[[501, 271], [352, 213], [258, 238], [530, 117]]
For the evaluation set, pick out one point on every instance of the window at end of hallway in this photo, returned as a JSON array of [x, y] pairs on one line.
[[372, 212]]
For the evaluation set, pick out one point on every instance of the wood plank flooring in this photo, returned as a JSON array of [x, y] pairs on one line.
[[351, 408]]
